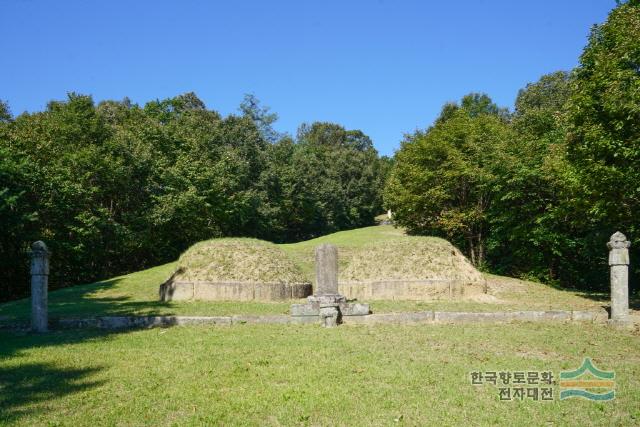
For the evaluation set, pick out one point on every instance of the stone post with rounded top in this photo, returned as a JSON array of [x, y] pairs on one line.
[[619, 270], [39, 285]]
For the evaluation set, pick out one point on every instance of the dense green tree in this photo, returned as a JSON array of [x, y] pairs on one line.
[[532, 231], [604, 118], [5, 112], [341, 169], [18, 221], [604, 127], [261, 116], [328, 179], [443, 180]]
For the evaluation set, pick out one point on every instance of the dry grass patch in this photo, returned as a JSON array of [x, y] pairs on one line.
[[409, 258], [237, 260]]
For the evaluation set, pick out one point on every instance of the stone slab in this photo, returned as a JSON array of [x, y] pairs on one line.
[[326, 270], [354, 309], [176, 291], [587, 316], [304, 310], [262, 319]]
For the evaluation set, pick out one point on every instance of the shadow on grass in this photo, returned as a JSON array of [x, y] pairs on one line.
[[82, 301], [605, 299], [24, 388]]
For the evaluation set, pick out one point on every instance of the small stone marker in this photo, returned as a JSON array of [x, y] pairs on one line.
[[619, 269], [327, 303], [39, 285]]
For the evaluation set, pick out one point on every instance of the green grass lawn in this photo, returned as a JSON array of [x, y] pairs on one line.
[[137, 293], [305, 375]]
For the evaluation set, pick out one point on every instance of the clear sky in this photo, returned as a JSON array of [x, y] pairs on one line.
[[385, 67]]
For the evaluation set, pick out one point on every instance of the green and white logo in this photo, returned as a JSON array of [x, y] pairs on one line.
[[588, 382]]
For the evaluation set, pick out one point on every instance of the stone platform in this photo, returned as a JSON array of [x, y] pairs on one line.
[[316, 303]]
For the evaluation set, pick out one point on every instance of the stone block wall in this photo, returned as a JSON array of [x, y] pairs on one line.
[[233, 291]]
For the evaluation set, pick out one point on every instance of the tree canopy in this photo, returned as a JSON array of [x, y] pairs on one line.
[[116, 187]]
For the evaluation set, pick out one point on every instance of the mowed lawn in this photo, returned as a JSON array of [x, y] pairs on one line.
[[305, 375], [137, 293]]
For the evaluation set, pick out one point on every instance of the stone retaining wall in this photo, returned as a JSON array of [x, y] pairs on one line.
[[416, 290], [423, 317], [233, 291]]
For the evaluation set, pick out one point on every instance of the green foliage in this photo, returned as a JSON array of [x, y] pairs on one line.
[[329, 179], [530, 231], [604, 124], [5, 112], [443, 181], [115, 187], [250, 107], [17, 219]]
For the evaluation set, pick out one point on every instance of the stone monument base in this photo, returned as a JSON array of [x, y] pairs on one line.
[[329, 309]]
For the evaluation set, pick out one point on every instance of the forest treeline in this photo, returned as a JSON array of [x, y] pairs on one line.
[[116, 187], [535, 192]]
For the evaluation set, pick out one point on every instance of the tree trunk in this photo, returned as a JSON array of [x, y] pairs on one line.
[[472, 251]]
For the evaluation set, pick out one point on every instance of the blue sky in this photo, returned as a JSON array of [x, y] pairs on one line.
[[385, 67]]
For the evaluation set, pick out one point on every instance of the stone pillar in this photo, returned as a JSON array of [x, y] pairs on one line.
[[619, 264], [39, 285]]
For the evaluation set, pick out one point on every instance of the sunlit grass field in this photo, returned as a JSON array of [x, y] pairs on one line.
[[262, 375]]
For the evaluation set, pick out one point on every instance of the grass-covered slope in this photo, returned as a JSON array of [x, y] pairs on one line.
[[237, 260], [137, 293]]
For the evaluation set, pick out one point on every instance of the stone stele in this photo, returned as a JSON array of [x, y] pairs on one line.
[[326, 303]]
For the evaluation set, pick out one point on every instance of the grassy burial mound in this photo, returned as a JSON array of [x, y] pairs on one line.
[[235, 269], [410, 268], [137, 293]]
